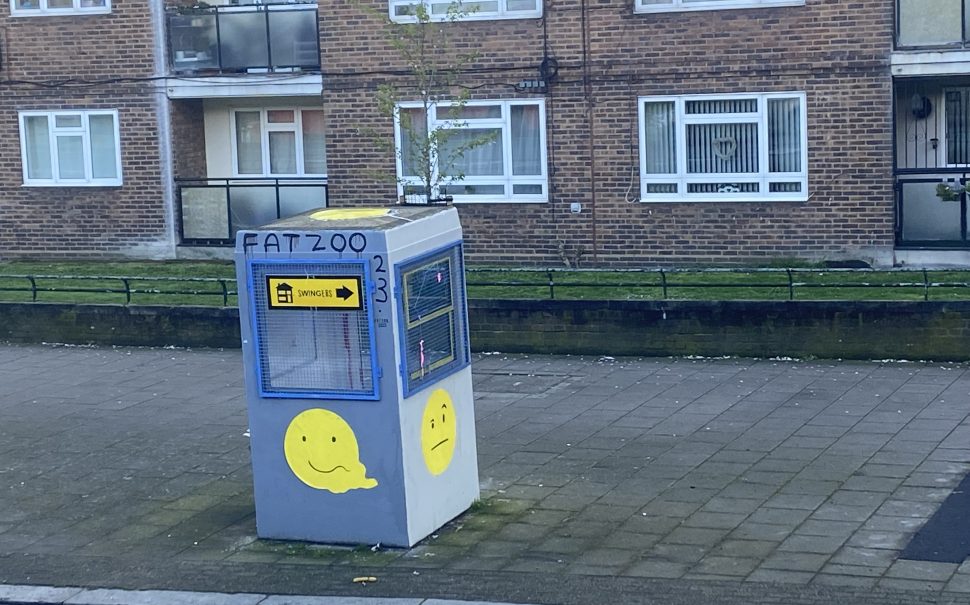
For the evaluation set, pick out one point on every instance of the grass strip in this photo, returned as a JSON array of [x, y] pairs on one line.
[[184, 283]]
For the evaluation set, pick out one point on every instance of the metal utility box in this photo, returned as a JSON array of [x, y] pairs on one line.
[[358, 376]]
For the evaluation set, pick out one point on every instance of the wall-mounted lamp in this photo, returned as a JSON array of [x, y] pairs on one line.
[[920, 106]]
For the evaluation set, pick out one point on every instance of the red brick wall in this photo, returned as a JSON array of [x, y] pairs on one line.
[[188, 138], [46, 58], [836, 52]]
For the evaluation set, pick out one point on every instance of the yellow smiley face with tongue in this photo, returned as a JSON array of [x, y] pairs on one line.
[[321, 450]]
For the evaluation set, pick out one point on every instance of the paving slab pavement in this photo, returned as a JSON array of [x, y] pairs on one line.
[[647, 480]]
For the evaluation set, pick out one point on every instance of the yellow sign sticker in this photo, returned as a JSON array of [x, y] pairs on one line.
[[302, 292]]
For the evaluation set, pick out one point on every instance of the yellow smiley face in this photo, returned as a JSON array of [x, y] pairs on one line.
[[321, 449], [438, 432]]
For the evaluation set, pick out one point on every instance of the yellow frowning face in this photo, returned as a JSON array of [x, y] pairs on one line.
[[321, 450], [438, 432]]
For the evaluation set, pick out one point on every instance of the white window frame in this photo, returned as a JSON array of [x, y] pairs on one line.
[[42, 9], [502, 13], [265, 127], [708, 5], [507, 178], [681, 177], [85, 133]]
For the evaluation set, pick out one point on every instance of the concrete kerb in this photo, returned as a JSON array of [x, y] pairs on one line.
[[12, 594]]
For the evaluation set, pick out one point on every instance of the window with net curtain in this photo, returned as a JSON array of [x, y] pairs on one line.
[[279, 142], [491, 150], [712, 147], [75, 148], [276, 143]]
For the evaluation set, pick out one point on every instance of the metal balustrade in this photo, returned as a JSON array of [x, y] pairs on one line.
[[212, 210], [251, 38]]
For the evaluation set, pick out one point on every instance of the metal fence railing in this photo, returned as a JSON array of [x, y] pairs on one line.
[[668, 283], [153, 289], [543, 284]]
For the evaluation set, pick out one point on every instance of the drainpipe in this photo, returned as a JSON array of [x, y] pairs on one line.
[[163, 111], [590, 122]]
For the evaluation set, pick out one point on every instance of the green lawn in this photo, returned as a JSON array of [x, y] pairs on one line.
[[198, 282]]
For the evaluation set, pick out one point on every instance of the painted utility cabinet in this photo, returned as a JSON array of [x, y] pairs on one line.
[[358, 376]]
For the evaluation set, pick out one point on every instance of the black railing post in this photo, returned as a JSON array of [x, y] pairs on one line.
[[230, 233], [898, 26], [219, 42], [963, 21], [552, 291], [926, 286], [178, 194], [663, 283], [269, 40], [316, 37], [225, 293], [33, 288], [791, 285], [124, 280], [279, 209]]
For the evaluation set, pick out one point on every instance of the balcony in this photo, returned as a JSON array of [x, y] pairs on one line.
[[212, 210], [923, 218], [932, 159], [258, 38], [932, 24]]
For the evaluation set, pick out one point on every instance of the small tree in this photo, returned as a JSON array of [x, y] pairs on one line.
[[433, 65]]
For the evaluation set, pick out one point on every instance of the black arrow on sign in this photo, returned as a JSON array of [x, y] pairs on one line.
[[344, 292]]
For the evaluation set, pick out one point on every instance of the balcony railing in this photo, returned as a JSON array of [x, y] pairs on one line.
[[924, 218], [932, 23], [252, 38], [214, 209]]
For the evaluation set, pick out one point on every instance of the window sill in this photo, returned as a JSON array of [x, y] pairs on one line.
[[498, 201], [60, 13], [522, 15], [72, 185], [725, 200], [716, 6]]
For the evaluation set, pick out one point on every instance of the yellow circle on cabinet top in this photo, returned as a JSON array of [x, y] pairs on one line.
[[346, 214]]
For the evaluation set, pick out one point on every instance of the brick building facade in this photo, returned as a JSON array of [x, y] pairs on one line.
[[609, 56], [626, 132], [61, 66]]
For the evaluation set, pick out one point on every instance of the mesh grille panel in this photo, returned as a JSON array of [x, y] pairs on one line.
[[435, 333], [313, 352]]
